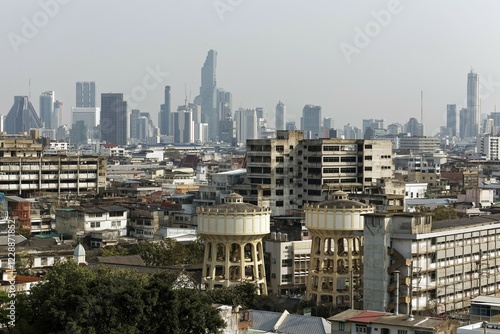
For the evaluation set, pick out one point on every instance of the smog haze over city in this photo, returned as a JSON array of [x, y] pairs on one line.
[[355, 59]]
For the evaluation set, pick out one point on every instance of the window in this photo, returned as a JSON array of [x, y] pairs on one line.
[[279, 192], [361, 329], [368, 146], [368, 157], [280, 159], [280, 148], [95, 224], [286, 278], [368, 169], [43, 261], [287, 263], [279, 203], [402, 331], [116, 214], [279, 170], [341, 326]]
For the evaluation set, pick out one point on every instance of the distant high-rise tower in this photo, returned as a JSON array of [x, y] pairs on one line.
[[451, 118], [463, 119], [280, 116], [246, 125], [208, 93], [114, 119], [182, 125], [22, 117], [311, 122], [85, 94], [473, 105], [164, 116], [372, 124], [47, 100], [414, 128], [56, 119], [224, 110]]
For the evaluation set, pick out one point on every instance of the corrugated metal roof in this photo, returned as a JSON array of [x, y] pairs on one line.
[[292, 323]]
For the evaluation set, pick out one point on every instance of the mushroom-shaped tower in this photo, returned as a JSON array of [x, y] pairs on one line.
[[233, 233], [336, 254]]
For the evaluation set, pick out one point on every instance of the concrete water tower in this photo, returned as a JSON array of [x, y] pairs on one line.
[[233, 234], [336, 227]]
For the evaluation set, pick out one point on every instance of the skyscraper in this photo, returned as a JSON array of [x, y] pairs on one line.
[[451, 119], [47, 100], [280, 116], [246, 125], [22, 117], [164, 116], [85, 94], [311, 121], [114, 119], [473, 105], [463, 116], [208, 93], [56, 119], [182, 125], [224, 110]]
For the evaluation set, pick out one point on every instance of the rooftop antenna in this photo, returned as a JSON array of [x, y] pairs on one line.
[[422, 107]]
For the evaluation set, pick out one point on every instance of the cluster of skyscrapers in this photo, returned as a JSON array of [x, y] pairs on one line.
[[210, 118]]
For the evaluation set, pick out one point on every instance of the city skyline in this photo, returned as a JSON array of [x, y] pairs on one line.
[[355, 60]]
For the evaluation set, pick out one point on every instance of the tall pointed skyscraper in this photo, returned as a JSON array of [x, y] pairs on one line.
[[22, 117], [208, 93], [473, 105]]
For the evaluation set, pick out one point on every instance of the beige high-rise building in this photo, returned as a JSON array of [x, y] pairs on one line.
[[233, 250]]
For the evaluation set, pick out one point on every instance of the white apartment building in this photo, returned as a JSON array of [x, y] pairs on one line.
[[487, 146], [442, 265], [288, 265], [109, 222]]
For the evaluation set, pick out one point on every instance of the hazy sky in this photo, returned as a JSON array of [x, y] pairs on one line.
[[356, 59]]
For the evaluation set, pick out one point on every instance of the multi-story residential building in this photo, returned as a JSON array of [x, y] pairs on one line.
[[292, 170], [104, 225], [340, 164], [146, 221], [25, 170], [442, 265], [487, 146], [272, 164], [363, 321], [287, 265], [418, 144]]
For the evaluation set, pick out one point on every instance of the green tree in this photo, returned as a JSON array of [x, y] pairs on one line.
[[442, 212], [243, 294], [168, 252], [77, 300], [4, 312], [114, 251]]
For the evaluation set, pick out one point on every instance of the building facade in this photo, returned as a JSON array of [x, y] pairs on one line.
[[114, 119], [473, 105], [85, 94], [442, 265]]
